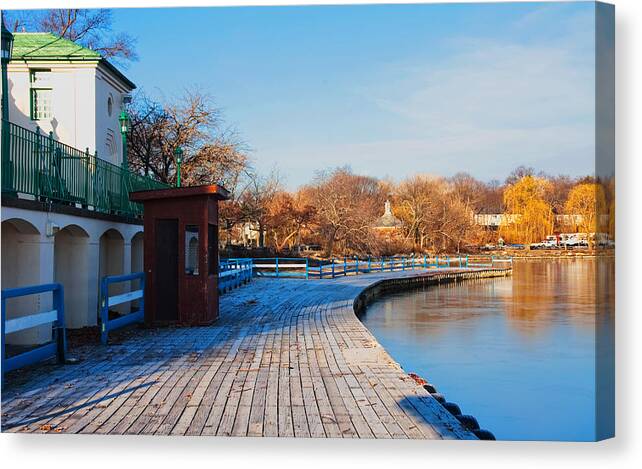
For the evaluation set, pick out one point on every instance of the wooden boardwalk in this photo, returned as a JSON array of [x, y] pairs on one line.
[[287, 358]]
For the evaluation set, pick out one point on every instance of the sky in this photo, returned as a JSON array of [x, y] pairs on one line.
[[390, 90]]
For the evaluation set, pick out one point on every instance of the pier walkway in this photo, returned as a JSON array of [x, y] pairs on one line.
[[286, 358]]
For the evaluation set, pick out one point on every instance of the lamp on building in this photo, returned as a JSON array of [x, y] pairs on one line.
[[125, 127], [178, 153], [7, 50]]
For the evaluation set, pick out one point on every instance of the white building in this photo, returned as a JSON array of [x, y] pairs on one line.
[[65, 215], [61, 87]]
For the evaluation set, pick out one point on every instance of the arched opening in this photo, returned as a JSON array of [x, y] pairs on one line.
[[111, 262], [21, 268], [137, 258], [137, 252], [71, 269]]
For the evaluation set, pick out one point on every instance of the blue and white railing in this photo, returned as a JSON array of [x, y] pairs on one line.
[[106, 301], [233, 273], [284, 267], [55, 317]]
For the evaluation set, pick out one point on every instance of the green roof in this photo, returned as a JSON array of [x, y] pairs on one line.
[[49, 46]]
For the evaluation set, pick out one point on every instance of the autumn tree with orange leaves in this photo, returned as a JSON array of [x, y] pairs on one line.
[[528, 217]]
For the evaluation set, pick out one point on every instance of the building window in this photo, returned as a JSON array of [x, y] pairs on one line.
[[41, 103], [110, 105], [191, 250], [41, 94]]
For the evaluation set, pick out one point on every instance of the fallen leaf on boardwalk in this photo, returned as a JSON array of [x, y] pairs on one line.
[[418, 379], [45, 427], [59, 429]]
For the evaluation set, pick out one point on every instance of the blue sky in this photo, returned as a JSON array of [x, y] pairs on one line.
[[390, 90]]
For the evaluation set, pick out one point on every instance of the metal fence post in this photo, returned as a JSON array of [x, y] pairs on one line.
[[345, 266], [276, 261], [357, 266], [333, 267], [307, 268], [369, 264]]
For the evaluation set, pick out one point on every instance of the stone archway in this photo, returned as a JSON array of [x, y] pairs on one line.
[[137, 260], [111, 261], [21, 268], [71, 269]]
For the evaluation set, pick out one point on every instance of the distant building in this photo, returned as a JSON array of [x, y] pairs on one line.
[[388, 224]]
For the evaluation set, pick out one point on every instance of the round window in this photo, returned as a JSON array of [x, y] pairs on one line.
[[110, 105]]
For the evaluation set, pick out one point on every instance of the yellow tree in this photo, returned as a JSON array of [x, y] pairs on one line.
[[589, 201], [528, 217]]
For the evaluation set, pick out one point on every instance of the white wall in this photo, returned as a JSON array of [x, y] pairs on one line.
[[79, 99], [71, 257]]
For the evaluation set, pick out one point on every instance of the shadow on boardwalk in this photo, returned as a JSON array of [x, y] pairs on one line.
[[286, 358]]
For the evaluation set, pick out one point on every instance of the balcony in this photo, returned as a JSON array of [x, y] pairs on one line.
[[38, 167]]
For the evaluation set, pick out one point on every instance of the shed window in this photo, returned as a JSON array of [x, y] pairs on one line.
[[191, 249]]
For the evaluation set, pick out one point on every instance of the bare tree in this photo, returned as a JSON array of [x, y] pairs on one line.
[[347, 206], [88, 27], [211, 152], [255, 200]]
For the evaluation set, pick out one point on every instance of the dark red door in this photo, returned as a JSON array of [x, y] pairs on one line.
[[166, 275]]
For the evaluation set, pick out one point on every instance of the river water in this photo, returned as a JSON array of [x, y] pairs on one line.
[[518, 353]]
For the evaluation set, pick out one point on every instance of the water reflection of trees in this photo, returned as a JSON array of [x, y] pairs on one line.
[[547, 292], [540, 296]]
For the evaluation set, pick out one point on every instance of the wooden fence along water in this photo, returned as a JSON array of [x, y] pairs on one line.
[[311, 268]]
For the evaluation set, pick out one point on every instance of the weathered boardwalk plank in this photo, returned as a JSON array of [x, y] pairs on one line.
[[286, 358]]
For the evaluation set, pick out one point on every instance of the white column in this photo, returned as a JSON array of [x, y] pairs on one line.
[[93, 292]]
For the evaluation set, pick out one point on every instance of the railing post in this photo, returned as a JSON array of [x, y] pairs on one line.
[[437, 260], [345, 266], [87, 175], [333, 267], [383, 261], [424, 261], [307, 268], [104, 310], [41, 163], [369, 264], [276, 260], [3, 317], [61, 334], [466, 260], [357, 266]]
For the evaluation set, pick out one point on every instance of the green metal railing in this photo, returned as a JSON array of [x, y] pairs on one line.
[[40, 166]]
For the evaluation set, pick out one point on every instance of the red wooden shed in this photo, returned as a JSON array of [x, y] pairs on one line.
[[181, 254]]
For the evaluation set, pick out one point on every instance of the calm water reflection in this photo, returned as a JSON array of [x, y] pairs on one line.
[[517, 353]]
